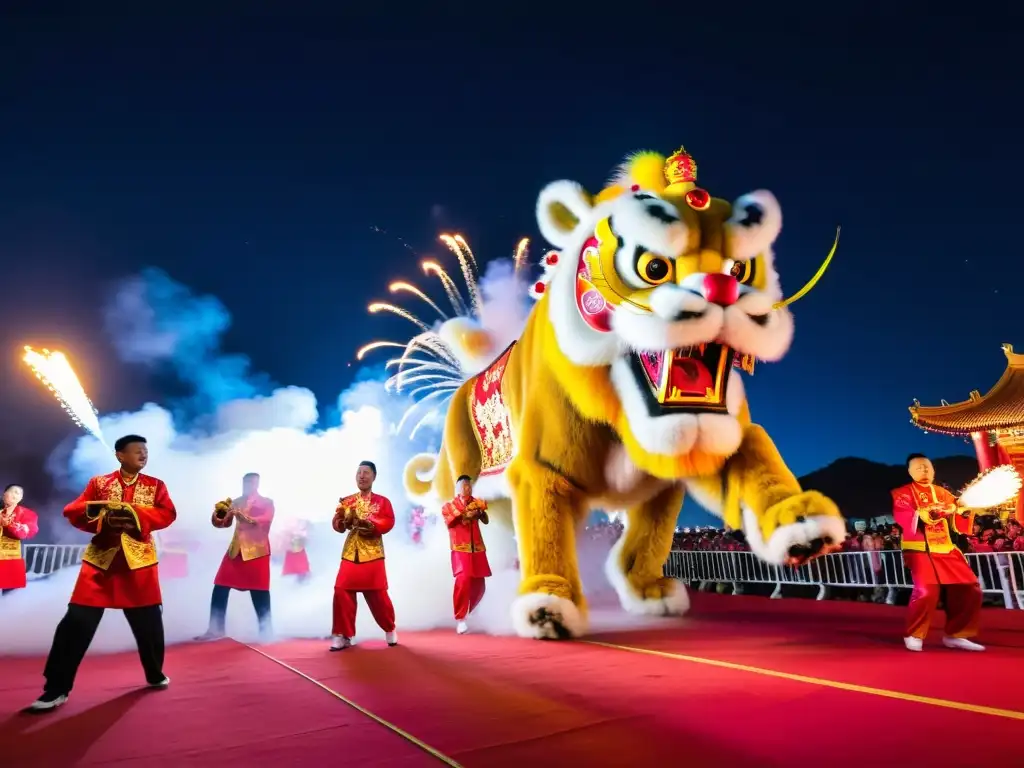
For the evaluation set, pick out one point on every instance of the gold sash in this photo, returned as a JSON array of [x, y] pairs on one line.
[[138, 554], [250, 550], [10, 549]]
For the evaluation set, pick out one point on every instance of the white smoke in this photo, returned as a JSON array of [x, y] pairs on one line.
[[235, 425]]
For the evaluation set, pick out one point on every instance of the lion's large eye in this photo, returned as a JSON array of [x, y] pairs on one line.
[[743, 271], [654, 269]]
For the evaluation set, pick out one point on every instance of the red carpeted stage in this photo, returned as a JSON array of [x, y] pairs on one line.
[[740, 682]]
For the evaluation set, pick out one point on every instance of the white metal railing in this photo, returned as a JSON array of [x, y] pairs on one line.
[[43, 559], [999, 573]]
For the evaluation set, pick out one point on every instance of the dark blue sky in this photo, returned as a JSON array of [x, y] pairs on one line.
[[250, 157]]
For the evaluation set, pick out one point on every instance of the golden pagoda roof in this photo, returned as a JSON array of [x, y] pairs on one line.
[[1002, 407]]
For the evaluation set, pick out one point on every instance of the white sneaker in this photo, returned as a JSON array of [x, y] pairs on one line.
[[391, 637], [46, 702], [962, 644], [462, 627], [340, 643], [913, 643], [162, 684]]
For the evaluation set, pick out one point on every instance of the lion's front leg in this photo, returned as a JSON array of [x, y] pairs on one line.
[[635, 566], [783, 524], [550, 605]]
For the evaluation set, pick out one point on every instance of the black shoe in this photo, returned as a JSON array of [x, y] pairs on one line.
[[47, 702]]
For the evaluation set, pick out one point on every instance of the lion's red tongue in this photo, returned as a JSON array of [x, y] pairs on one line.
[[687, 376]]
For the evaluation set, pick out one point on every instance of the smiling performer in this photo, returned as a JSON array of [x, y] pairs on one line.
[[624, 390], [366, 516], [119, 570]]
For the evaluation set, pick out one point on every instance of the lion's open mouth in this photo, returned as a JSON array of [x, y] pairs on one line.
[[687, 379]]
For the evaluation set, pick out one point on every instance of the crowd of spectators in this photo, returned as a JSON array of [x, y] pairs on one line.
[[990, 534]]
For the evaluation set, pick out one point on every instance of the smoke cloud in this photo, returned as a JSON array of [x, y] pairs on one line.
[[233, 421]]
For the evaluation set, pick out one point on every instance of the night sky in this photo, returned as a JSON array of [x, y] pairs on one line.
[[251, 157]]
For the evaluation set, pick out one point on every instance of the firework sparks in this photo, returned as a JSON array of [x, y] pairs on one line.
[[468, 264], [399, 286], [363, 350], [522, 254], [452, 291], [55, 372], [383, 306], [428, 370]]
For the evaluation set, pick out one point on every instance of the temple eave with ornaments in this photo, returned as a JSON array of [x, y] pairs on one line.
[[994, 421]]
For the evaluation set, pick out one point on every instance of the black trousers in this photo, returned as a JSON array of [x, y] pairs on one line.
[[219, 608], [75, 633], [5, 591]]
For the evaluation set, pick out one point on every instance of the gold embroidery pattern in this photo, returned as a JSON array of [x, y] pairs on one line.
[[491, 418], [249, 548], [144, 496], [493, 376], [479, 547], [109, 488], [101, 558], [10, 549], [362, 549], [138, 554]]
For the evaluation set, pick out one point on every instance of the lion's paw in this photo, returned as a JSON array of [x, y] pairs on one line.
[[657, 597], [665, 597], [795, 530], [544, 616]]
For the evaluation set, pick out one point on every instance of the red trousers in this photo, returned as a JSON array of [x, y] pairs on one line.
[[345, 610], [469, 591], [932, 574]]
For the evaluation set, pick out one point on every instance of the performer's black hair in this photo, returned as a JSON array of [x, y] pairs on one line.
[[371, 465], [913, 456], [124, 442], [247, 475], [467, 478]]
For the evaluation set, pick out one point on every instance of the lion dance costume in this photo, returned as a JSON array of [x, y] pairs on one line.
[[623, 393]]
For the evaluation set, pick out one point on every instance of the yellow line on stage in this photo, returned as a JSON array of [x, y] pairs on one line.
[[376, 718], [852, 687]]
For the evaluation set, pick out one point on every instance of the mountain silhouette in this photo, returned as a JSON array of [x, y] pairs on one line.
[[861, 487]]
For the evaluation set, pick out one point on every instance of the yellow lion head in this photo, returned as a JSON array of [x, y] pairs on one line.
[[669, 287]]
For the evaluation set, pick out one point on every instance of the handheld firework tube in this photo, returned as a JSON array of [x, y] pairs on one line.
[[624, 391]]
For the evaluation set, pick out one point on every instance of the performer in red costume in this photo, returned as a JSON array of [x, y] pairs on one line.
[[246, 564], [119, 570], [923, 511], [17, 523], [463, 516], [296, 561], [366, 516]]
